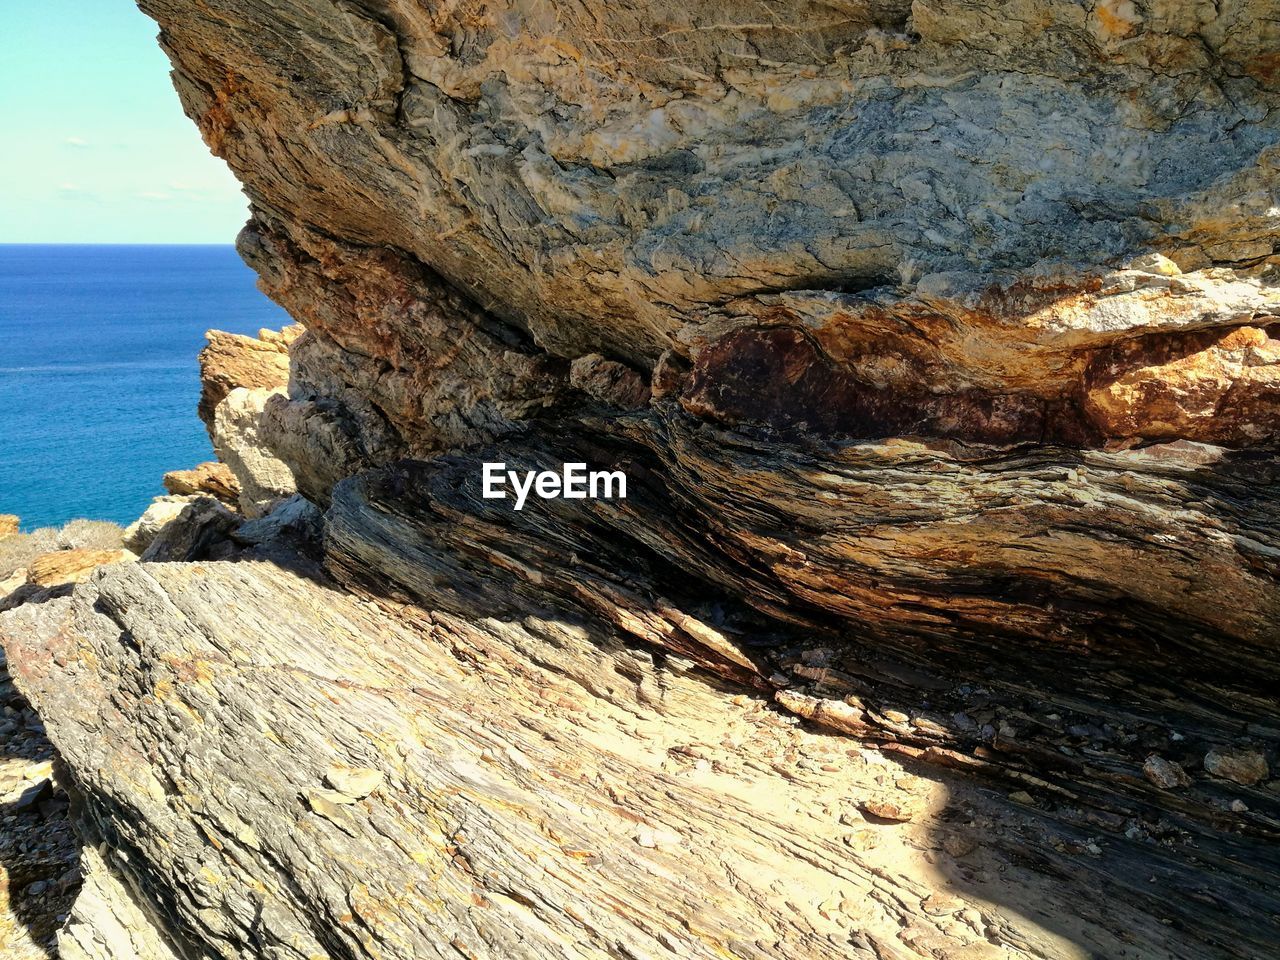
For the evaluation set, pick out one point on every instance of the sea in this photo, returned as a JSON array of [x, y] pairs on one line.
[[98, 374]]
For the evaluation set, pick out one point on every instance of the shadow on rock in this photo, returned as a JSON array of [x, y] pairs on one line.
[[39, 851]]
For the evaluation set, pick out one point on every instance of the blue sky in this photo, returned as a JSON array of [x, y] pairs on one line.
[[95, 147]]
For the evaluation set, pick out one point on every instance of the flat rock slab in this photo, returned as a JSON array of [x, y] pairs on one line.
[[545, 789]]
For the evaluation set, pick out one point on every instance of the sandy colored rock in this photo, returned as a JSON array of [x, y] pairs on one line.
[[207, 479], [1240, 765], [354, 782], [13, 581], [231, 360], [262, 477], [9, 524], [72, 566], [895, 807], [281, 339]]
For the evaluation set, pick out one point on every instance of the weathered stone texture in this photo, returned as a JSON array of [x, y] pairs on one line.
[[205, 479], [231, 360], [263, 478], [536, 785], [602, 174], [71, 566], [163, 510], [938, 340]]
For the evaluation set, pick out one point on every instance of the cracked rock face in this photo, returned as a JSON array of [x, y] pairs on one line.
[[602, 175], [940, 343], [1054, 224]]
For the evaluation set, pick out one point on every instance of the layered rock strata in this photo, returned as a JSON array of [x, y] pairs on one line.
[[213, 479], [39, 850], [939, 344], [544, 787], [232, 360]]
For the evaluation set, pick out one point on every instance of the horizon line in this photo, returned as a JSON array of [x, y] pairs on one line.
[[119, 243]]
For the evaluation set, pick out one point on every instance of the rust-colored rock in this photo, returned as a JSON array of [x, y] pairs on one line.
[[1165, 774], [1240, 765], [1219, 388]]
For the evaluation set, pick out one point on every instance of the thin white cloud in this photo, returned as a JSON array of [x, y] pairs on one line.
[[70, 187], [155, 195], [76, 142]]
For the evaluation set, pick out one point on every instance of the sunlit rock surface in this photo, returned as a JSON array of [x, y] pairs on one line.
[[938, 341]]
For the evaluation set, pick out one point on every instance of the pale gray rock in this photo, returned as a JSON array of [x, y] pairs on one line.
[[322, 442], [296, 519], [107, 922], [200, 531], [163, 510], [264, 479], [595, 784]]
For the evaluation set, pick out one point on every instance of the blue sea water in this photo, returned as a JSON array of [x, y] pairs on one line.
[[98, 373]]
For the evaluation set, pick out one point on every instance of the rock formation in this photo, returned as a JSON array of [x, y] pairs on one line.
[[939, 342], [262, 477], [47, 561], [39, 874], [231, 360], [163, 511], [72, 566], [206, 479]]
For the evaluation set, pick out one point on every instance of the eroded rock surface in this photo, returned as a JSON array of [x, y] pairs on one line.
[[938, 341], [231, 360], [39, 850], [162, 511], [208, 479], [263, 478], [538, 784]]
